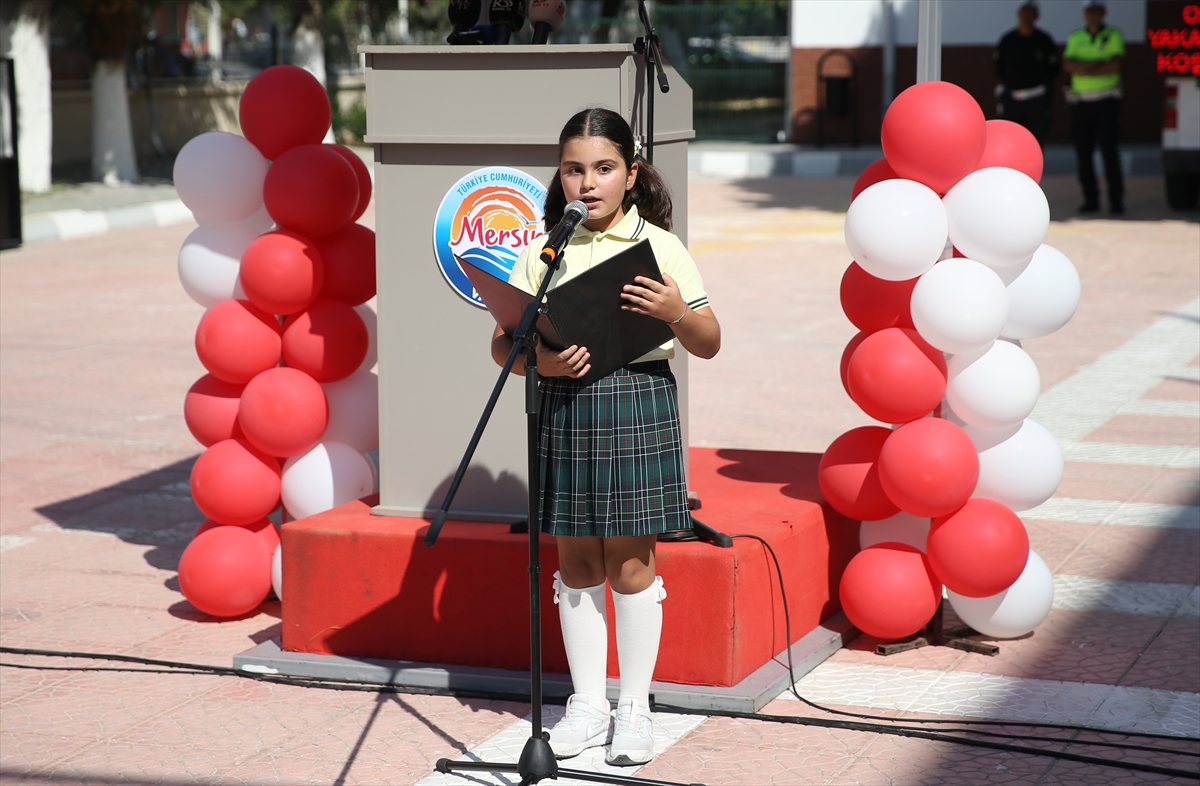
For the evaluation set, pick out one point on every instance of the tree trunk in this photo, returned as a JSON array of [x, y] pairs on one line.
[[308, 44], [113, 159], [26, 40]]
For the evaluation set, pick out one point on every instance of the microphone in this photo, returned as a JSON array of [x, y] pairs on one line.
[[547, 16], [463, 15], [575, 212], [507, 17]]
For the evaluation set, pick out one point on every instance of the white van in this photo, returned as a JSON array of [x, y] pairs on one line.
[[1181, 142]]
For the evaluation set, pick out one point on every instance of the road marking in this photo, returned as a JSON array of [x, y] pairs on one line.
[[967, 694], [1130, 514], [14, 541], [1080, 593], [508, 744], [1165, 409], [1173, 456], [1086, 400]]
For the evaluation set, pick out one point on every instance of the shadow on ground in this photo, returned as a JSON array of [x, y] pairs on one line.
[[1145, 197], [153, 509]]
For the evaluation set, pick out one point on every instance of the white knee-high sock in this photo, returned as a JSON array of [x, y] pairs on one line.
[[584, 621], [639, 628]]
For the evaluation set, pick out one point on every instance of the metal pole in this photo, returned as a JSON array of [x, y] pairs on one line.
[[929, 40], [889, 52]]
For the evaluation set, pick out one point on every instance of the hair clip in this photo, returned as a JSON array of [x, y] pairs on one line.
[[637, 146]]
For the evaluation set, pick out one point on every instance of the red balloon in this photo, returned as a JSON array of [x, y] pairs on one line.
[[895, 376], [876, 172], [929, 467], [349, 256], [225, 571], [889, 591], [934, 133], [284, 106], [364, 178], [848, 353], [849, 475], [873, 304], [1014, 146], [263, 528], [311, 190], [282, 272], [210, 410], [236, 341], [283, 412], [235, 483], [978, 550], [328, 340]]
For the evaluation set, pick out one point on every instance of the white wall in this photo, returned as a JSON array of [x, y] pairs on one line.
[[825, 23]]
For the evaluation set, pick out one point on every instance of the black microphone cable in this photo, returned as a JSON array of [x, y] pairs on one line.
[[892, 726]]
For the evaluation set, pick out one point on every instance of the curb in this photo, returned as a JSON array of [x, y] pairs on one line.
[[69, 224], [746, 164], [704, 162]]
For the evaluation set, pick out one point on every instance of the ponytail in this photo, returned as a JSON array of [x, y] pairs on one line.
[[650, 192]]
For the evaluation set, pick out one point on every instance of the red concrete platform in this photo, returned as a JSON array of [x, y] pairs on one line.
[[366, 586]]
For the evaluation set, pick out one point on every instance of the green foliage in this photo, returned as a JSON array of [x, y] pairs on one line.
[[350, 125]]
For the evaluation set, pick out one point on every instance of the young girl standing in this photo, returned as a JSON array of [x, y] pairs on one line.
[[611, 453]]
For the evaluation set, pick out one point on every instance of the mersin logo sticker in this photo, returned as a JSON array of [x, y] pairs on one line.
[[487, 218]]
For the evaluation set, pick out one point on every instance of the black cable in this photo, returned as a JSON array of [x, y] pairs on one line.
[[330, 683], [910, 731], [347, 685], [902, 731], [1021, 724]]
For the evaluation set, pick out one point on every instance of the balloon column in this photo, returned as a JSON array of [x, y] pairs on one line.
[[949, 276], [287, 338]]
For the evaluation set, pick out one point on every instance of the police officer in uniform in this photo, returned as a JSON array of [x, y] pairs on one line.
[[1027, 63], [1093, 58]]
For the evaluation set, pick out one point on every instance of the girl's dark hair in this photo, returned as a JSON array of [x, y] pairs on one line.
[[649, 192]]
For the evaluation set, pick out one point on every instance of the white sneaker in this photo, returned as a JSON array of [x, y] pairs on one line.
[[633, 735], [584, 726]]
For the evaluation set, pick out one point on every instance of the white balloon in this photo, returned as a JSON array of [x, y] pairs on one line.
[[329, 475], [277, 572], [896, 229], [261, 221], [209, 261], [1044, 296], [1015, 611], [369, 319], [901, 528], [993, 388], [997, 216], [1020, 466], [219, 176], [353, 411], [959, 306]]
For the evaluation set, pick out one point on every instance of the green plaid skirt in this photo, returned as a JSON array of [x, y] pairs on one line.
[[612, 456]]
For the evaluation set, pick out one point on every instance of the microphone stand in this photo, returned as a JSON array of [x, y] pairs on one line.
[[537, 760], [647, 46]]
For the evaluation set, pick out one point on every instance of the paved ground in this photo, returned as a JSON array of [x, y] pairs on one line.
[[96, 354]]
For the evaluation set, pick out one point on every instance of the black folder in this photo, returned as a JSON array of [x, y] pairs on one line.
[[585, 310]]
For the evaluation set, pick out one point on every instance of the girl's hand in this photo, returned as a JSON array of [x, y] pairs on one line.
[[571, 362], [647, 296]]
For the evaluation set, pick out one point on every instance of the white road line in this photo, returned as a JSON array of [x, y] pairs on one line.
[[1173, 456], [508, 744], [1086, 400], [1009, 698], [1164, 409], [1130, 514], [1080, 593]]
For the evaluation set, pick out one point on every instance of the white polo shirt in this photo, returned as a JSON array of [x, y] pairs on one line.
[[586, 249]]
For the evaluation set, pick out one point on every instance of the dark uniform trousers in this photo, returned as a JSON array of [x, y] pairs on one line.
[[1098, 123]]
